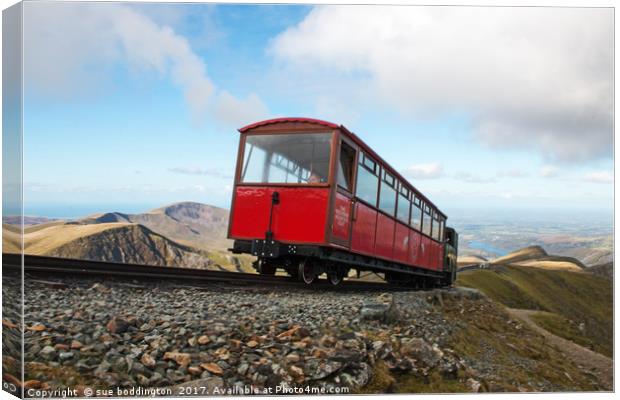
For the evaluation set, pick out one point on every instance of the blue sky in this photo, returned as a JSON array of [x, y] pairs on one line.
[[133, 106]]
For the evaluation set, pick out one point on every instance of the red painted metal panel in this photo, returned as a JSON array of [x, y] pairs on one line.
[[440, 250], [414, 247], [401, 243], [436, 256], [433, 260], [384, 242], [300, 216], [364, 225], [433, 256], [342, 217], [426, 250]]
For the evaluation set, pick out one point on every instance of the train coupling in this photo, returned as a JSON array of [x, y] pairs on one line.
[[268, 248]]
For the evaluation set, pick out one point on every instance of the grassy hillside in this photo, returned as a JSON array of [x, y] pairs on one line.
[[126, 243], [536, 256], [564, 327], [116, 242], [605, 270], [470, 260], [196, 225], [527, 253], [551, 264], [578, 297], [11, 239]]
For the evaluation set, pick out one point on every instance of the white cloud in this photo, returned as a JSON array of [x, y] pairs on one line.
[[512, 173], [473, 178], [424, 171], [73, 48], [194, 170], [533, 78], [549, 171], [599, 177], [240, 112]]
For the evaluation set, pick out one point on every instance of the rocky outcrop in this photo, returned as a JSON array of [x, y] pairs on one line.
[[133, 244]]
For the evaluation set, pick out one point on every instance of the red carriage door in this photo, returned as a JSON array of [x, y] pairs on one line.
[[343, 201]]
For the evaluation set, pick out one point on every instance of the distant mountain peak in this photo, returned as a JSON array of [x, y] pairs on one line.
[[188, 205]]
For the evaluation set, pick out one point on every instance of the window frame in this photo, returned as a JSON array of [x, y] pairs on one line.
[[407, 194], [384, 179], [411, 225], [426, 211], [376, 171], [241, 154], [435, 225], [442, 227], [366, 158], [354, 167]]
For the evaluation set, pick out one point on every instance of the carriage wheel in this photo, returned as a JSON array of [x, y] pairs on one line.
[[266, 268], [307, 272], [335, 277]]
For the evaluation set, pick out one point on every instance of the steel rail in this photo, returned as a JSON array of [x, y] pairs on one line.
[[65, 266]]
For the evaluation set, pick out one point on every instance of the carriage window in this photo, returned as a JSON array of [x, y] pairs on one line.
[[435, 227], [387, 197], [404, 204], [416, 215], [287, 158], [369, 163], [442, 223], [367, 182], [426, 221], [345, 166]]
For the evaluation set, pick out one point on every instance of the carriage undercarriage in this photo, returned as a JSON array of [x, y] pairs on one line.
[[307, 263], [308, 270]]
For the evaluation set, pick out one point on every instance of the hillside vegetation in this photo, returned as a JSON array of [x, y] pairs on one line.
[[11, 238], [527, 253], [186, 234], [198, 225], [470, 260], [605, 270], [580, 298], [536, 256], [114, 242]]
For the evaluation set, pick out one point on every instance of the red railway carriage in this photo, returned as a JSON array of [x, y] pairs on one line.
[[310, 197]]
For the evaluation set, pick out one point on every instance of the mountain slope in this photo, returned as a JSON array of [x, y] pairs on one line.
[[105, 218], [182, 234], [11, 239], [114, 242], [605, 270], [580, 298], [133, 244], [536, 256], [192, 224], [27, 220], [470, 260], [527, 253]]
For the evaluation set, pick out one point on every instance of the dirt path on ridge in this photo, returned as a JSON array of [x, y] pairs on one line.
[[598, 364]]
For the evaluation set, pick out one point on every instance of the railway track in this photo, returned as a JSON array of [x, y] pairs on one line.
[[59, 267]]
